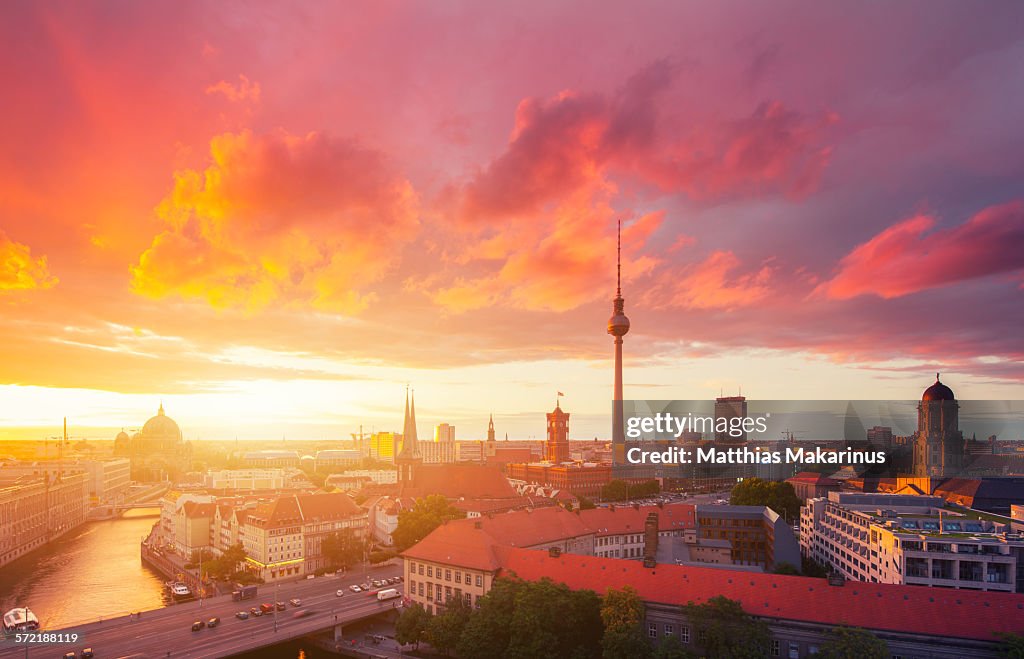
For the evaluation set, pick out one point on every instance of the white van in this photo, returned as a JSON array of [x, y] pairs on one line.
[[388, 593]]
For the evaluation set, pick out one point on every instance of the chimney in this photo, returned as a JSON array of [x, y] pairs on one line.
[[636, 506], [612, 507], [478, 524], [650, 538], [836, 579], [554, 552]]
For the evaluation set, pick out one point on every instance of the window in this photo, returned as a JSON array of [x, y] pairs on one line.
[[652, 630], [776, 649], [669, 630], [458, 577], [480, 580], [421, 569], [430, 571], [702, 636], [794, 651], [447, 575], [684, 634], [421, 589]]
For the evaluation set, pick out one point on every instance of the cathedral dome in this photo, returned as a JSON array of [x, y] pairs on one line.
[[938, 391], [161, 428], [122, 437]]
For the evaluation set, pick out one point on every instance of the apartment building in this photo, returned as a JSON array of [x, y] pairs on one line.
[[908, 539], [37, 505]]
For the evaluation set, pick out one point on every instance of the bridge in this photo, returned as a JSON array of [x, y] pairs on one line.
[[166, 632]]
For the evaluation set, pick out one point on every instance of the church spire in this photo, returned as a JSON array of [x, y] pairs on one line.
[[410, 444], [490, 429]]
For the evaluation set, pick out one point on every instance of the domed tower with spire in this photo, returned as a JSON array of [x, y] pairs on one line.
[[618, 326], [939, 443]]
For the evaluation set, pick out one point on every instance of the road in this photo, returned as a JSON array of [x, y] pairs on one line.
[[167, 632]]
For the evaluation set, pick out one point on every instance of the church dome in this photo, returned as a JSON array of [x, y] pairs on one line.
[[938, 391], [122, 437], [161, 428]]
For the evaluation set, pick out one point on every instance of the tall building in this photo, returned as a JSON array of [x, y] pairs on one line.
[[938, 444], [384, 446], [730, 407], [557, 448], [444, 432], [618, 326], [409, 457]]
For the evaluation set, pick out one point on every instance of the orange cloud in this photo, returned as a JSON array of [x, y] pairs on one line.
[[711, 284], [906, 258], [245, 90], [19, 270], [278, 218]]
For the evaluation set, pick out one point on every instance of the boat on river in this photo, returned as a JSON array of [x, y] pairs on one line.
[[20, 620]]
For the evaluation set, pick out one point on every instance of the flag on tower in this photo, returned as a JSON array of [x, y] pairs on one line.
[[560, 393]]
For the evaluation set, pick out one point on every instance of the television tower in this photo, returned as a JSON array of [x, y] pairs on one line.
[[618, 326]]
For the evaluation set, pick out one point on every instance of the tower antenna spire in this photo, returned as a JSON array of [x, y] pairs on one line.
[[618, 261]]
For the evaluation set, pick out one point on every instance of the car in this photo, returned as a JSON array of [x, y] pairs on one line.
[[213, 622], [399, 578], [266, 607], [87, 653], [302, 613], [197, 625], [242, 615], [354, 588], [255, 612], [67, 655], [295, 601], [389, 580], [339, 593], [280, 606]]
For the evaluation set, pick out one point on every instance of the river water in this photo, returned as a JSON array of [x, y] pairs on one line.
[[92, 571]]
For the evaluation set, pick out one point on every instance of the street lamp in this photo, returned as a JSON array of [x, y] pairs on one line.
[[277, 597]]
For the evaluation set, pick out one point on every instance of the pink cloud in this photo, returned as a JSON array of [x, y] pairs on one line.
[[245, 90], [909, 256], [711, 284]]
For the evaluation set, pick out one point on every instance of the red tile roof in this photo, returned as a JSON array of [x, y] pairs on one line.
[[450, 542], [626, 519], [907, 609], [812, 478], [457, 481]]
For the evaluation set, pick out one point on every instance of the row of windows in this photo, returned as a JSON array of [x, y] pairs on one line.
[[460, 577]]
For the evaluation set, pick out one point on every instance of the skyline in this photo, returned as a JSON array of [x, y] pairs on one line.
[[822, 204]]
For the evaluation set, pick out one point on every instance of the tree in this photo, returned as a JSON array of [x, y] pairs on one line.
[[1012, 645], [381, 556], [412, 624], [786, 568], [724, 629], [614, 490], [811, 568], [852, 643], [669, 647], [777, 495], [343, 549], [586, 504], [487, 633], [622, 612], [445, 629], [550, 620], [426, 515]]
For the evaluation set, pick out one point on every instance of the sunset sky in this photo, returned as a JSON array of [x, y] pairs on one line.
[[271, 218]]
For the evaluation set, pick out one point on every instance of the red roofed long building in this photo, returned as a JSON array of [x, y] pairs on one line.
[[439, 566], [914, 621]]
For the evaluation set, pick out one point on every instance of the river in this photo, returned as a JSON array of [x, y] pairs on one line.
[[90, 572]]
